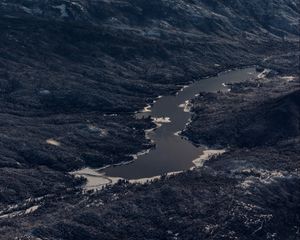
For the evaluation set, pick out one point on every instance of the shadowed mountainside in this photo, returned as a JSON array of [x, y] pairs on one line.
[[72, 73], [74, 63], [247, 193], [250, 123]]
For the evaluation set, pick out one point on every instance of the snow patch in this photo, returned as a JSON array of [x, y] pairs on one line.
[[263, 74], [178, 133], [146, 109], [161, 119], [53, 142], [44, 92], [78, 5], [264, 177], [102, 131], [206, 155], [135, 156], [288, 78], [95, 179], [26, 9], [31, 209], [146, 180], [182, 89], [31, 11], [20, 212], [186, 106], [63, 10], [110, 115]]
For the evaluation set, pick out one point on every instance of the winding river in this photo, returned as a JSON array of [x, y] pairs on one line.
[[172, 153]]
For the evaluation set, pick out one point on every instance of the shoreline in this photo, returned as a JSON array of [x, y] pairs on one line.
[[97, 180], [186, 107]]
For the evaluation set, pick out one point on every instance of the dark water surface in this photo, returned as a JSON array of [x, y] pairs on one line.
[[172, 152]]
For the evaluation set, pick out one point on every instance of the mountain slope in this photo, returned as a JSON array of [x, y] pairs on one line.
[[251, 123], [72, 73]]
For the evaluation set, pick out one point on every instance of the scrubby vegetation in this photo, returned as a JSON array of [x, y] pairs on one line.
[[72, 74]]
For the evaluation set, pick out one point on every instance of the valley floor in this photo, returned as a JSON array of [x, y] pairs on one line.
[[249, 192], [72, 76]]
